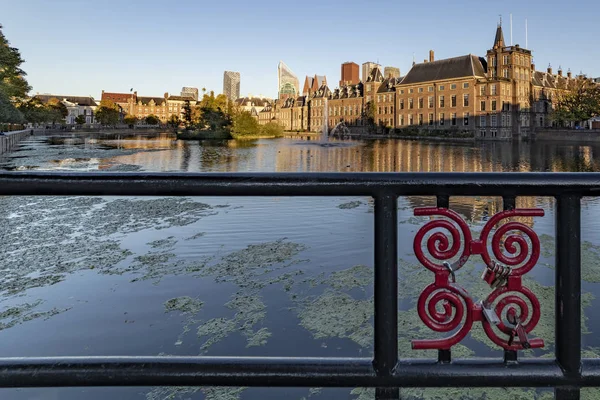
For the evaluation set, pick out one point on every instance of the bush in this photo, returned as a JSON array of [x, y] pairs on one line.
[[272, 129], [244, 124]]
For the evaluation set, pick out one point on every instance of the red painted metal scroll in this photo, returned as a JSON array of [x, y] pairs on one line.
[[510, 311]]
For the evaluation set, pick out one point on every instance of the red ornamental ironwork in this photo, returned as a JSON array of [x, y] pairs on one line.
[[510, 311]]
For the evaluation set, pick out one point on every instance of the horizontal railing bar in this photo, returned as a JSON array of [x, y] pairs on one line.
[[297, 184], [290, 372]]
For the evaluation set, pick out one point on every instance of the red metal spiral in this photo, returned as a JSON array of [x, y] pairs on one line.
[[438, 244]]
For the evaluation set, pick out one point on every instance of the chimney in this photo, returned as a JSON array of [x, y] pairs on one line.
[[431, 56], [569, 74], [533, 66], [559, 70], [425, 60], [550, 69], [166, 95]]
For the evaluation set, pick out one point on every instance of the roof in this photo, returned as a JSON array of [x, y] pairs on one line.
[[549, 81], [181, 98], [388, 85], [499, 39], [146, 100], [320, 80], [375, 75], [256, 101], [117, 97], [347, 92], [322, 92], [79, 100], [449, 68]]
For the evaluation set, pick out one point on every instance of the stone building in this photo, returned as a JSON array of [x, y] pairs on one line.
[[293, 114], [267, 114], [367, 68], [312, 84], [346, 105], [385, 102], [317, 109]]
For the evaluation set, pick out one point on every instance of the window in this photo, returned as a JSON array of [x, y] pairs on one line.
[[385, 110], [401, 120], [505, 73], [430, 119], [453, 119], [430, 89], [410, 119], [410, 104], [401, 91], [466, 119], [430, 101], [493, 61], [493, 91], [379, 98], [441, 87], [410, 90], [402, 104], [493, 105], [482, 106], [453, 101], [379, 110], [505, 60], [466, 85], [420, 90], [508, 122], [482, 120], [391, 109], [453, 86], [442, 119], [420, 102], [466, 100], [482, 90], [441, 101], [420, 119], [494, 120]]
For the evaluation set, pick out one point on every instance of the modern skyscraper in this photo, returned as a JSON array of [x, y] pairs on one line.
[[366, 69], [231, 85], [349, 75], [391, 72], [189, 92], [287, 82]]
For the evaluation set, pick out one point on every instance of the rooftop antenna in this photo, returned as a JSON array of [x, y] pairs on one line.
[[511, 37], [500, 19], [526, 35]]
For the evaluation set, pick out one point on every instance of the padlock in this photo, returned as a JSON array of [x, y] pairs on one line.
[[518, 330], [495, 275]]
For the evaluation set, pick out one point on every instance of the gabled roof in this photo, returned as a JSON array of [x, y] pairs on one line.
[[449, 68], [256, 101], [322, 92], [181, 98], [308, 83], [388, 85], [117, 97], [347, 92], [375, 75], [146, 100], [321, 79], [79, 100]]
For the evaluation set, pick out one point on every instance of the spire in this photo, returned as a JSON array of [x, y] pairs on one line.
[[499, 40]]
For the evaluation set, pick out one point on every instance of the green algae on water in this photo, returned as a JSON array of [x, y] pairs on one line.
[[350, 205]]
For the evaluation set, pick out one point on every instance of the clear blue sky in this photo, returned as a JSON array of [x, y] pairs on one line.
[[81, 47]]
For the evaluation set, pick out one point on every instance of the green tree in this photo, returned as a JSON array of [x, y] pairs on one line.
[[13, 86], [80, 120], [580, 102], [245, 124], [174, 121], [57, 111], [107, 113], [130, 120], [272, 129], [187, 114], [152, 120]]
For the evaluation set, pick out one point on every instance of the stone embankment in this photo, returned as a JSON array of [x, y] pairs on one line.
[[9, 139]]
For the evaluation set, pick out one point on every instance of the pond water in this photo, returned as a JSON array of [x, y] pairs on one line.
[[250, 276]]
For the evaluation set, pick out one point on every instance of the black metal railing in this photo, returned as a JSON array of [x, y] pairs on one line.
[[567, 373]]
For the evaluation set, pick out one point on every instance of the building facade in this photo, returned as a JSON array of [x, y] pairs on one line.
[[76, 106], [231, 85], [141, 106], [346, 105], [190, 92], [367, 68], [349, 74]]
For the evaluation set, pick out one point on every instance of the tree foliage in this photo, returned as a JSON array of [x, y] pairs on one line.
[[580, 102], [130, 119], [152, 120], [13, 85], [107, 113], [36, 111], [245, 124], [174, 121], [272, 129], [80, 120], [187, 114]]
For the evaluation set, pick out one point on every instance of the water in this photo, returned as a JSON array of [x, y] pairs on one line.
[[246, 276]]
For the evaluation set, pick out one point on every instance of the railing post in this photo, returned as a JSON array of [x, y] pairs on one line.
[[568, 291], [386, 290]]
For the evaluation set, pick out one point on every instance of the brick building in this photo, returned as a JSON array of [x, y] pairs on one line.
[[385, 102], [312, 84], [349, 74], [142, 106], [346, 105]]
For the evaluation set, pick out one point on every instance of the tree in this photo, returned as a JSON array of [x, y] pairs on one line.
[[13, 86], [130, 120], [187, 114], [272, 129], [152, 120], [107, 113], [57, 110], [245, 124], [579, 102], [80, 120], [174, 121]]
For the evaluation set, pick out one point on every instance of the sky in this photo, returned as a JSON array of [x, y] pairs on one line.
[[81, 47]]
